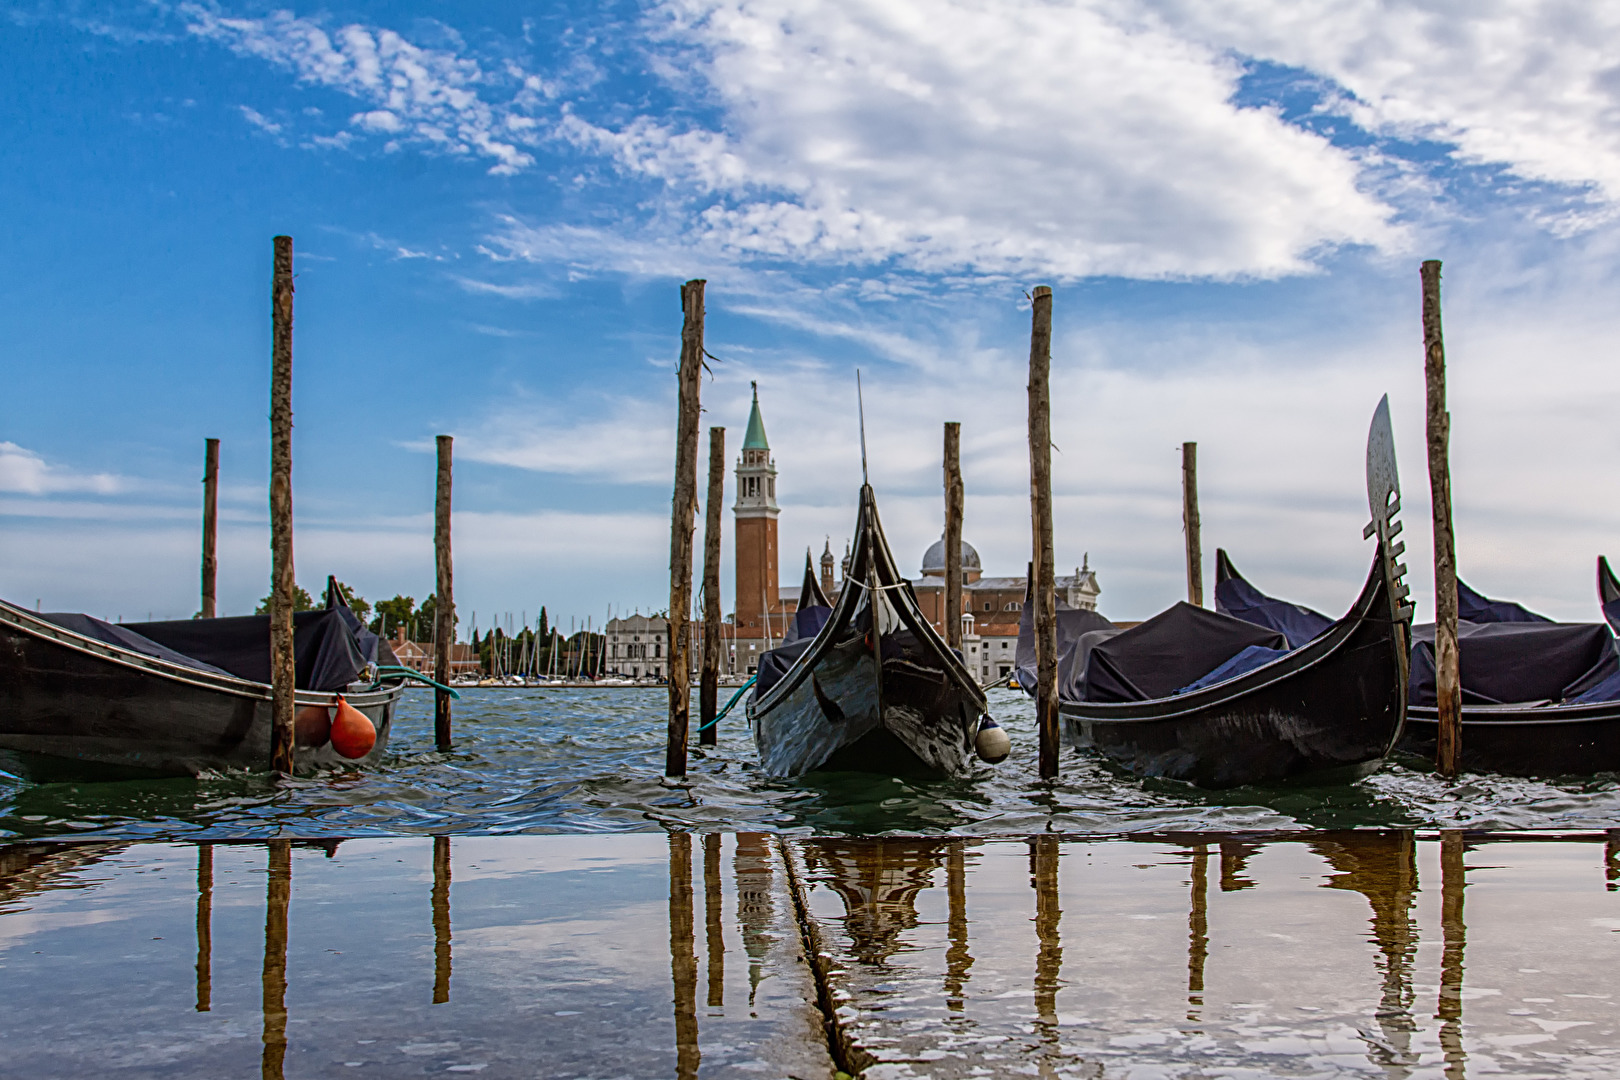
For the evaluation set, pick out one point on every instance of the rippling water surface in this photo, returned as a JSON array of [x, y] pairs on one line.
[[540, 761]]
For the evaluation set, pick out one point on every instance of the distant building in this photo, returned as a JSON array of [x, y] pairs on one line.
[[419, 657], [637, 647]]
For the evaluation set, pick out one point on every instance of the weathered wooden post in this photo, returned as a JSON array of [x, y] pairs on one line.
[[1189, 521], [682, 514], [952, 616], [444, 603], [1043, 582], [282, 671], [1447, 660], [709, 688], [210, 549]]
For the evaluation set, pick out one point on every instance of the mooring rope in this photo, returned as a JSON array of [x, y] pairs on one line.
[[721, 715], [412, 673]]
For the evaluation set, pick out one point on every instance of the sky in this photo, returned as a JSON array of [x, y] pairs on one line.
[[493, 206]]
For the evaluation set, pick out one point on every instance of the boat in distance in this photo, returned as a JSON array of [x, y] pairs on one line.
[[1540, 698], [865, 684], [83, 698], [1222, 701]]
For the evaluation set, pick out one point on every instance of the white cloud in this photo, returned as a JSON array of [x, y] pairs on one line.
[[1530, 84], [23, 472], [1003, 137], [260, 121], [430, 97]]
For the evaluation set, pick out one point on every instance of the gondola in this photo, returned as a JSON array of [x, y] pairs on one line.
[[1220, 701], [81, 698], [1539, 698], [822, 700]]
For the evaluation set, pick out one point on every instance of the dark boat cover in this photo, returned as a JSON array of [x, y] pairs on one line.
[[1236, 597], [125, 638], [807, 623], [1474, 608], [1520, 662], [1165, 654], [328, 653], [1073, 624], [1609, 594]]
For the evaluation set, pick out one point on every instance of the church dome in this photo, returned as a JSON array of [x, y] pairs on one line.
[[934, 558]]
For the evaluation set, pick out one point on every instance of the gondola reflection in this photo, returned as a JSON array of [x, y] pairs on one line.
[[205, 927], [441, 919], [1382, 866], [277, 901], [682, 958], [878, 881]]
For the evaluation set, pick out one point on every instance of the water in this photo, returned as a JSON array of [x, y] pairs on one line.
[[549, 761], [1322, 954]]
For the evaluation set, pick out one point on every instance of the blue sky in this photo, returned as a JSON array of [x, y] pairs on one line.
[[493, 206]]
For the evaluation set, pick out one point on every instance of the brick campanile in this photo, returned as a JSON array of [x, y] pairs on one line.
[[755, 513]]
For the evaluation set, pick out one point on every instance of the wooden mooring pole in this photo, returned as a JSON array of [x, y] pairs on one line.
[[282, 670], [1190, 523], [1447, 660], [444, 602], [709, 686], [210, 543], [1043, 584], [682, 515], [952, 615]]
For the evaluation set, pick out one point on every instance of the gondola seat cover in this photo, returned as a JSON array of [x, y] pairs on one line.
[[1518, 662], [1236, 597], [1073, 626], [125, 638], [1166, 653], [1474, 608], [328, 653]]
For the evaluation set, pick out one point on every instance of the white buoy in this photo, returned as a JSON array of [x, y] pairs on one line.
[[992, 743]]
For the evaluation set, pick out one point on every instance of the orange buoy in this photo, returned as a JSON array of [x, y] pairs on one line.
[[353, 735], [312, 725]]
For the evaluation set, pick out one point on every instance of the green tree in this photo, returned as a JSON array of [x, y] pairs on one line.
[[392, 614], [302, 601], [425, 617]]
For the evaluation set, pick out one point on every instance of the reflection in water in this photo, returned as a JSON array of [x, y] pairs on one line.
[[1234, 861], [1455, 932], [1043, 875], [751, 862], [713, 920], [957, 958], [30, 868], [1198, 930], [1382, 866], [205, 927], [682, 959], [878, 881], [1611, 859], [441, 919], [278, 897]]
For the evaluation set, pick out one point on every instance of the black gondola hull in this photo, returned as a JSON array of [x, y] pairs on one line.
[[1334, 705], [836, 708], [1554, 740], [71, 706]]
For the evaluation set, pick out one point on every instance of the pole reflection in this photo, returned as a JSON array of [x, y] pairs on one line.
[[1234, 862], [1043, 877], [205, 927], [713, 920], [277, 901], [682, 959], [751, 863], [957, 958], [1455, 932], [1198, 930], [1382, 866], [441, 919], [1611, 859]]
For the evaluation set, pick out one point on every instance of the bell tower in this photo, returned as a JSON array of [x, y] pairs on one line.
[[755, 514]]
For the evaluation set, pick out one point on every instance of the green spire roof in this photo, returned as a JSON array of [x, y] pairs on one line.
[[755, 439]]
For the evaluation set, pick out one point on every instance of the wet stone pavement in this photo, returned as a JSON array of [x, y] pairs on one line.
[[1314, 954]]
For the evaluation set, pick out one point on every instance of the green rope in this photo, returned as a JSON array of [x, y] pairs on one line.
[[412, 673], [721, 715]]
